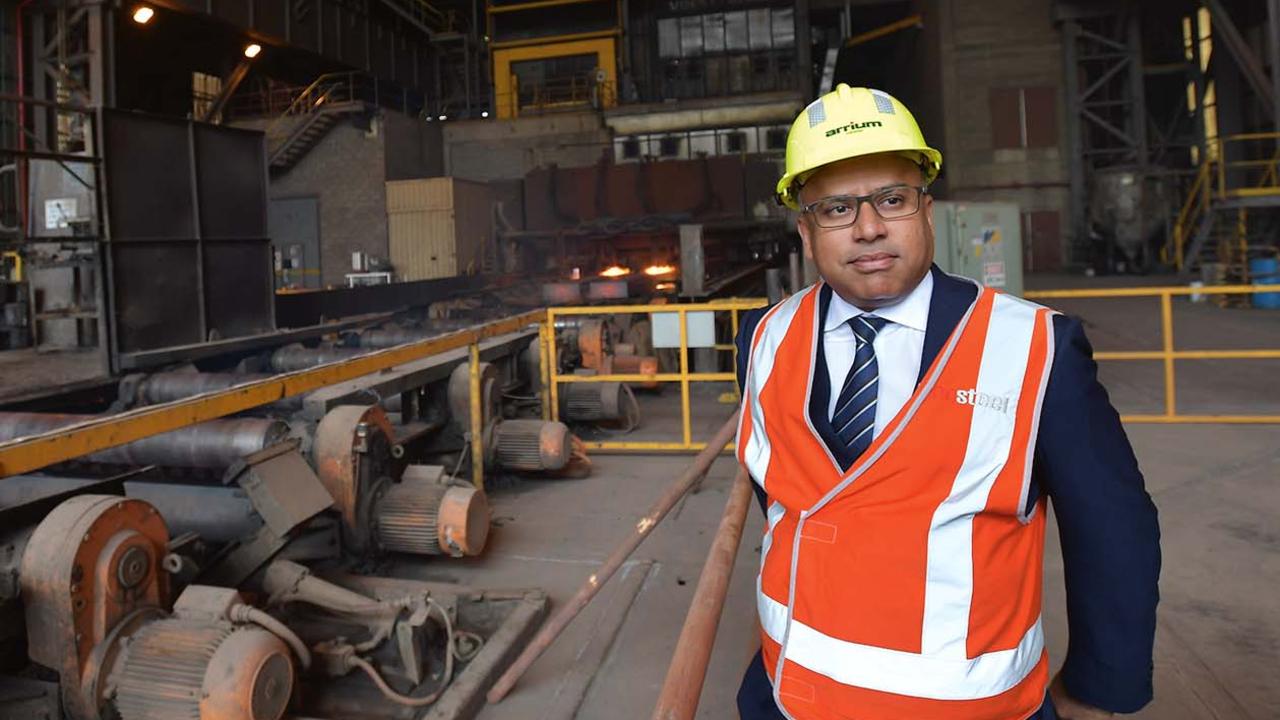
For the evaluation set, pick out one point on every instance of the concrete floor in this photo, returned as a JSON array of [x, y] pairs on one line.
[[1218, 642]]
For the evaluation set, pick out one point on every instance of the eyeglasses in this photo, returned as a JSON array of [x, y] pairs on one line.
[[891, 203]]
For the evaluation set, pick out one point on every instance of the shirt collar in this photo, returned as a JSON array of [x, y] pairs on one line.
[[911, 311]]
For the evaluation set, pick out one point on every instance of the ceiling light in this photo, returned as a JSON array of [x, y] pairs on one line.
[[251, 50], [484, 114], [444, 117], [143, 14]]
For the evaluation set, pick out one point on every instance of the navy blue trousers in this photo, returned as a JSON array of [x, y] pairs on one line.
[[755, 697]]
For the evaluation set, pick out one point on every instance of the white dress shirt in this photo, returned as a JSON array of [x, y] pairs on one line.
[[899, 346]]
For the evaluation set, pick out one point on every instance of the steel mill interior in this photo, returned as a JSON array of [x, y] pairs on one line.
[[381, 358]]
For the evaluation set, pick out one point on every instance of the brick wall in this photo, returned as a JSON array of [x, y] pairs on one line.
[[346, 171], [985, 58]]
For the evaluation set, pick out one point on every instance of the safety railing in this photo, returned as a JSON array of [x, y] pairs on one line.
[[565, 94], [1167, 354], [553, 379], [1256, 175]]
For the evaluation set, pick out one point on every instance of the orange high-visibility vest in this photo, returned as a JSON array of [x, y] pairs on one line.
[[908, 587]]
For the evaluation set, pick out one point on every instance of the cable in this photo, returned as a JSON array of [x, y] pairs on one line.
[[247, 613], [407, 700], [391, 694]]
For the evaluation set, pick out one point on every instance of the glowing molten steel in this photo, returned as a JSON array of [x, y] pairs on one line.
[[615, 271], [657, 270]]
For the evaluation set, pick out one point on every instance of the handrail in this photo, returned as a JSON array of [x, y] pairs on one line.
[[1200, 196], [1192, 209], [1167, 353], [295, 106]]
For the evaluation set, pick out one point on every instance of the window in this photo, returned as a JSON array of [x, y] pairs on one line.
[[735, 142], [776, 139], [755, 30], [631, 148], [1025, 117], [727, 52], [669, 145], [205, 90]]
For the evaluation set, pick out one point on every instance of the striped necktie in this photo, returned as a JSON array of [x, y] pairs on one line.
[[855, 416]]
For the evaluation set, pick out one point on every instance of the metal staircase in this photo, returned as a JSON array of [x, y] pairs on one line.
[[1213, 225], [310, 116]]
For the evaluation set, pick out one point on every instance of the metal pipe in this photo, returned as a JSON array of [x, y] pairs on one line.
[[383, 339], [551, 630], [773, 285], [214, 444], [292, 358], [688, 670], [167, 387], [794, 275], [215, 513]]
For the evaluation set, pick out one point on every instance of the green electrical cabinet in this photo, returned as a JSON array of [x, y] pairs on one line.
[[980, 240]]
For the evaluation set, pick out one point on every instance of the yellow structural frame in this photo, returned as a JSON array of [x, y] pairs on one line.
[[684, 376], [601, 44], [1168, 354], [100, 433]]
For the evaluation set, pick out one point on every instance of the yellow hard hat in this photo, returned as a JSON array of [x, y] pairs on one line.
[[850, 122]]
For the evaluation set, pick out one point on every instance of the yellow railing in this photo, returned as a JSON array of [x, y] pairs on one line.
[[552, 377], [1212, 182], [100, 433], [1168, 354], [1196, 205]]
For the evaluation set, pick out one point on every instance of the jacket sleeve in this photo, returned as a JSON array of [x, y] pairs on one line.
[[746, 330], [1108, 527]]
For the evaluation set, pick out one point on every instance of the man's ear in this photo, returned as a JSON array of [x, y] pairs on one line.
[[804, 229]]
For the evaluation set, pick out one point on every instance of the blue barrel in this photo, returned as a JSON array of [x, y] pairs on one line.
[[1265, 271]]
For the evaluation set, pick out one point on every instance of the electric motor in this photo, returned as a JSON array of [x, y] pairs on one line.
[[531, 445], [203, 670], [592, 401], [426, 518]]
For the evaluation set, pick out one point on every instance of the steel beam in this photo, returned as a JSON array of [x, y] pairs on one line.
[[1273, 53], [1243, 54]]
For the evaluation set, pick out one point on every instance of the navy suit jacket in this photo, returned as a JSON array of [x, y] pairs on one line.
[[1106, 521]]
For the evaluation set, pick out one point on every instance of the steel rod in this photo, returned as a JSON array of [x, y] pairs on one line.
[[688, 670], [554, 626]]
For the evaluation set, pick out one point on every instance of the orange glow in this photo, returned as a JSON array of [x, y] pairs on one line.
[[657, 270], [615, 271], [665, 286]]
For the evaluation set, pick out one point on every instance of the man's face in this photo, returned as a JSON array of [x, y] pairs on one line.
[[873, 262]]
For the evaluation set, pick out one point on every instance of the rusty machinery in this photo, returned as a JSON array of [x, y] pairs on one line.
[[332, 479], [96, 592]]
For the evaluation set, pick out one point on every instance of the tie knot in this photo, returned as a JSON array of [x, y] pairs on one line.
[[866, 326]]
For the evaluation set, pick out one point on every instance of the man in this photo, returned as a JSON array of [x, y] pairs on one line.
[[904, 428]]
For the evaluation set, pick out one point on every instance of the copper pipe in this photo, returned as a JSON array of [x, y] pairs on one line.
[[552, 629], [683, 686]]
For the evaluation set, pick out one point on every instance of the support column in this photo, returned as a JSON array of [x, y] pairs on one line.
[[693, 261]]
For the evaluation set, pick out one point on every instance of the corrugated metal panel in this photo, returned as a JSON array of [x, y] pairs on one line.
[[439, 227], [421, 194], [422, 244]]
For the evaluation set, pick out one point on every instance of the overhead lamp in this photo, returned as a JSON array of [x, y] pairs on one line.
[[251, 50], [143, 14], [484, 114], [444, 117]]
